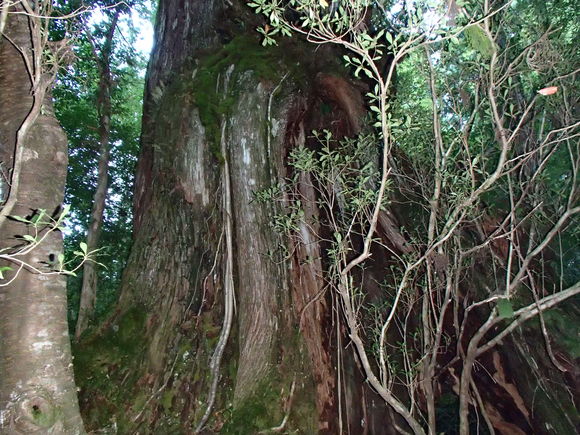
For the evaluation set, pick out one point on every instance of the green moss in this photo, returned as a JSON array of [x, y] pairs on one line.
[[167, 398], [139, 401], [447, 417], [45, 417], [558, 411], [265, 407], [563, 328], [260, 411], [247, 54], [102, 367]]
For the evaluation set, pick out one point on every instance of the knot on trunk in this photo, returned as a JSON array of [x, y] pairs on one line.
[[33, 411]]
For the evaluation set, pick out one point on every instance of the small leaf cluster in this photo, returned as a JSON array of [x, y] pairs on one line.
[[40, 226]]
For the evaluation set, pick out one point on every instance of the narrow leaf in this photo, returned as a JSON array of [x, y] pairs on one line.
[[4, 269], [20, 219]]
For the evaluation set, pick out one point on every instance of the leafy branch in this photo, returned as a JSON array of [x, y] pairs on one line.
[[42, 225]]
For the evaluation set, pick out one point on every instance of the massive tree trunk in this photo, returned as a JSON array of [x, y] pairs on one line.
[[37, 390], [221, 116]]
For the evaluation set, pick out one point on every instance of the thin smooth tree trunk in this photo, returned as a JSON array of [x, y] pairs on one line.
[[90, 277], [37, 389]]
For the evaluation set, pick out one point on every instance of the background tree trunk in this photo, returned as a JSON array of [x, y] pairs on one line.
[[37, 390], [90, 277]]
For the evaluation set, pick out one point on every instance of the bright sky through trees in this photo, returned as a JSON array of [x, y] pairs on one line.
[[135, 31], [144, 26], [145, 31]]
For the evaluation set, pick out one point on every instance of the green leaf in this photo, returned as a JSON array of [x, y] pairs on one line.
[[20, 219], [505, 309], [4, 269], [29, 238], [39, 215], [83, 246], [65, 211], [479, 40]]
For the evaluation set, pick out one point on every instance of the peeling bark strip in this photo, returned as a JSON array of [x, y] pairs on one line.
[[311, 308], [37, 390], [341, 92], [309, 296], [259, 284]]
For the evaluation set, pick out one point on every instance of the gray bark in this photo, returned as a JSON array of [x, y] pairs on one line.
[[37, 390]]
